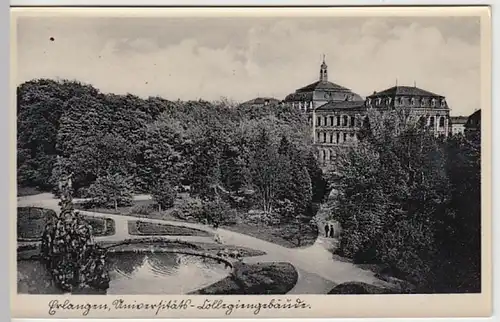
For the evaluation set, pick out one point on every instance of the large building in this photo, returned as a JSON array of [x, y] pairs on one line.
[[473, 124], [336, 113], [458, 124]]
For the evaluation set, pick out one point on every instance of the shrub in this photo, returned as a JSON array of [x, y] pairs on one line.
[[191, 208], [142, 209], [219, 213], [112, 190], [164, 195]]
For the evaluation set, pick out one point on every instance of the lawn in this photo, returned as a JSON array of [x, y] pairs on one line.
[[101, 226], [274, 234], [31, 223], [137, 227], [27, 191], [148, 209], [253, 279]]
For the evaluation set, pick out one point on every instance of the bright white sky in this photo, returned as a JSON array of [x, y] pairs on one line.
[[249, 57]]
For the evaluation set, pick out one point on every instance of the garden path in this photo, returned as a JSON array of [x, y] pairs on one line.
[[314, 263]]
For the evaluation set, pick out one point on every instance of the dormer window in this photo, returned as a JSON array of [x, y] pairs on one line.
[[443, 103], [412, 102], [422, 101], [433, 102], [379, 101], [389, 100]]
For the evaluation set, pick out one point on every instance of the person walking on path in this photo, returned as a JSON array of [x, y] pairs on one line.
[[327, 230], [332, 231]]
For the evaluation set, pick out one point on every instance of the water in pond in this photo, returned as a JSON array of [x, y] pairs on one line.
[[135, 273]]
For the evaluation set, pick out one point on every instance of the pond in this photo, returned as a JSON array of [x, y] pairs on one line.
[[135, 273]]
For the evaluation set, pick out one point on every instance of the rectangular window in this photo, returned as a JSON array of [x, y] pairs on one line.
[[324, 137], [352, 121], [345, 137], [338, 137], [331, 120], [331, 137], [318, 121], [338, 120]]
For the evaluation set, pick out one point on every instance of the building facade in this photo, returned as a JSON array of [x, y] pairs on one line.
[[458, 124], [473, 124], [316, 94], [336, 113], [419, 105]]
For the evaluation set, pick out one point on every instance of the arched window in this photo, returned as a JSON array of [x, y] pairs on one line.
[[344, 120], [353, 121], [338, 120], [441, 121], [318, 121]]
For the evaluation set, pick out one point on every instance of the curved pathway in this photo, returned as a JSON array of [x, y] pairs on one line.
[[315, 264]]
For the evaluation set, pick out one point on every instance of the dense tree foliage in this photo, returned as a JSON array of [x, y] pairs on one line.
[[119, 144], [412, 201]]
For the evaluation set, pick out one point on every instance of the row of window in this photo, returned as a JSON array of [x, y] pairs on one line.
[[334, 137], [350, 121], [402, 101], [441, 120], [303, 105], [326, 155], [343, 120]]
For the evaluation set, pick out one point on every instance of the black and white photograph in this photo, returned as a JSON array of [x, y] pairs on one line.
[[264, 154]]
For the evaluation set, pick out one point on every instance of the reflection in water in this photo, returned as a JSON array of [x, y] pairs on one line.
[[136, 273]]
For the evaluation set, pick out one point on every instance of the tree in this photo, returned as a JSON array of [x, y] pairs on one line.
[[394, 196], [68, 249], [112, 189], [267, 171], [164, 194]]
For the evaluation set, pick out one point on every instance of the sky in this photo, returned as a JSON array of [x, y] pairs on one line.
[[248, 57]]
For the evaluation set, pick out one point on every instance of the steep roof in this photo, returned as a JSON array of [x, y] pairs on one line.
[[304, 96], [476, 116], [459, 119], [404, 91], [261, 100], [342, 105], [319, 85]]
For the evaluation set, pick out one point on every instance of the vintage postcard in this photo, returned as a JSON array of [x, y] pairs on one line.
[[251, 162]]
